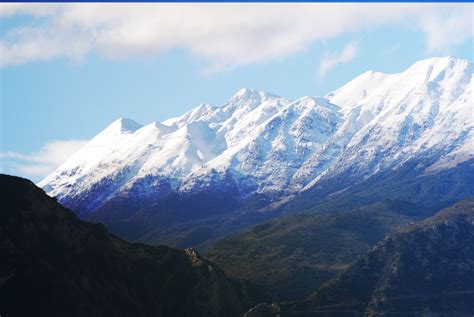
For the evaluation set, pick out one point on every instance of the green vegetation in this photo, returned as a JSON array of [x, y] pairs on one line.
[[290, 257], [425, 269]]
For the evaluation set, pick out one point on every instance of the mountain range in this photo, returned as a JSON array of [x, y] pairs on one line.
[[216, 170]]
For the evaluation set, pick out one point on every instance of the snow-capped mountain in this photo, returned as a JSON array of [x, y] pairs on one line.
[[271, 146], [425, 113]]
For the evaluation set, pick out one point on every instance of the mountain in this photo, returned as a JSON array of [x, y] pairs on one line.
[[291, 256], [56, 265], [425, 269], [416, 142], [260, 152]]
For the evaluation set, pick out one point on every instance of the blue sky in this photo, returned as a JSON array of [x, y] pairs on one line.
[[67, 71]]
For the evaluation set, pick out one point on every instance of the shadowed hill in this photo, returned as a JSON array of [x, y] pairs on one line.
[[56, 265]]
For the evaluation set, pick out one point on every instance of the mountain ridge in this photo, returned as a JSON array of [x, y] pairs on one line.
[[270, 148]]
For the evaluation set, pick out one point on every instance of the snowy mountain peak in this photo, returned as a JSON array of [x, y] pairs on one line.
[[195, 114], [314, 102], [158, 127], [437, 68], [245, 100], [359, 88], [375, 90], [123, 125], [437, 62], [251, 94], [273, 145]]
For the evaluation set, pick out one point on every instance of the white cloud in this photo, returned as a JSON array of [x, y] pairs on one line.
[[38, 9], [226, 35], [448, 30], [38, 164], [331, 60]]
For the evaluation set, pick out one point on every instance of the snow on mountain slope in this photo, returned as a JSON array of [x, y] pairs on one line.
[[425, 112], [269, 154], [90, 156], [274, 146]]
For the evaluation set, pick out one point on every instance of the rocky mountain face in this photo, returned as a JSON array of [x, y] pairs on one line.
[[56, 265], [424, 269], [260, 151]]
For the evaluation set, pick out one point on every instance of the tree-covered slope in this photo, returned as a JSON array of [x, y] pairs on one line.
[[425, 269], [293, 255]]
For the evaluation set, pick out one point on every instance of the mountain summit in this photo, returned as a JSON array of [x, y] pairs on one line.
[[261, 145]]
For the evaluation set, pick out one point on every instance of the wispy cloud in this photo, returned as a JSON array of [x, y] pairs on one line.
[[36, 165], [331, 60], [226, 35], [445, 31]]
